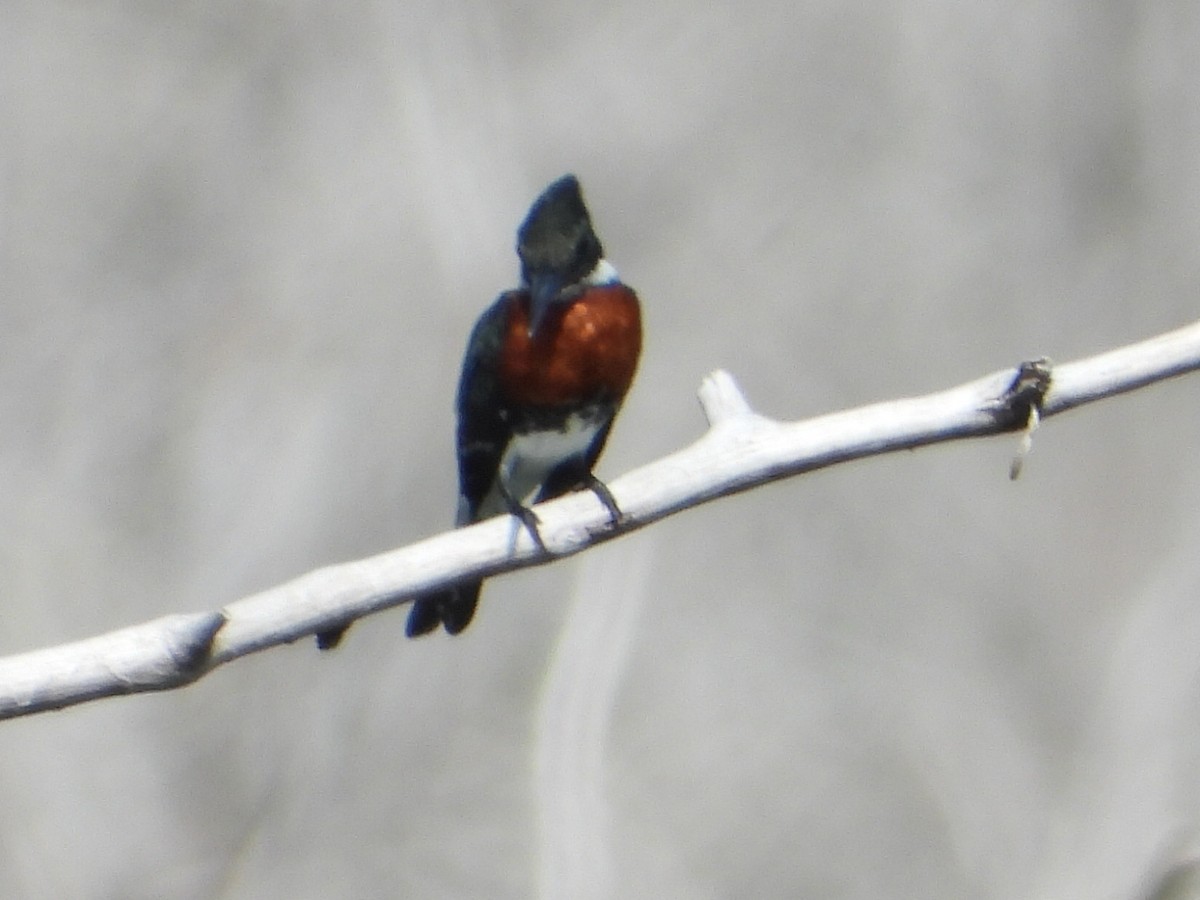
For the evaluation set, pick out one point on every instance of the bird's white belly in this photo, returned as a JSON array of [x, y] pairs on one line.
[[530, 457]]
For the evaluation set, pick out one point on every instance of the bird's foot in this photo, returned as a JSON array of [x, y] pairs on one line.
[[527, 517], [604, 495]]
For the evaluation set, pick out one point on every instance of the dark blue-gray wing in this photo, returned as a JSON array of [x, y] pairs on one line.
[[483, 435], [484, 429]]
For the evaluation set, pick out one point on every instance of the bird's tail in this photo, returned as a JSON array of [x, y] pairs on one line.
[[453, 608]]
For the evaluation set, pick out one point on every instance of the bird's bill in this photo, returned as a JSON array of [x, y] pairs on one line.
[[544, 288]]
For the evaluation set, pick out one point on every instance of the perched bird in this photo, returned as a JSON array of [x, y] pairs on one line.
[[546, 368]]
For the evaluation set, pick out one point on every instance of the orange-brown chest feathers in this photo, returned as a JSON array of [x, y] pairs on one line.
[[588, 350]]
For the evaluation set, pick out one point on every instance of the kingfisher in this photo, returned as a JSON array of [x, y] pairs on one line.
[[546, 368]]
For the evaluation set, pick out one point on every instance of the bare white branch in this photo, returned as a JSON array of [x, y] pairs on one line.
[[740, 450], [156, 655]]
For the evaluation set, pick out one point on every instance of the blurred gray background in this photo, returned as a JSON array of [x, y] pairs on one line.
[[241, 246]]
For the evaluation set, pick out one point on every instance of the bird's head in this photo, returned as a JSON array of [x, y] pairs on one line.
[[557, 247]]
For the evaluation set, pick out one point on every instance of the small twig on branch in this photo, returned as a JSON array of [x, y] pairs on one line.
[[740, 450]]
